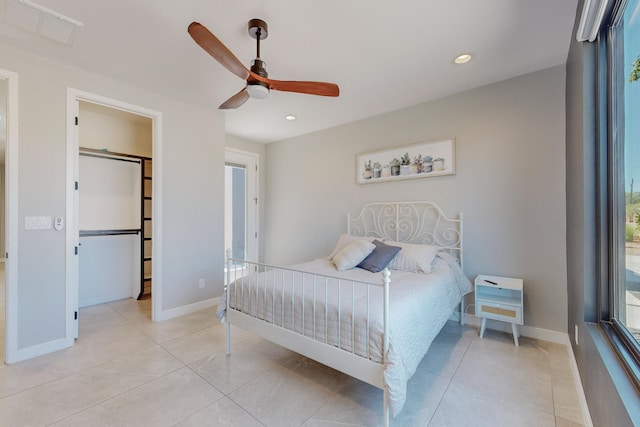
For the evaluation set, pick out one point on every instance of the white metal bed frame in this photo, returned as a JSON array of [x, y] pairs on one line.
[[412, 222]]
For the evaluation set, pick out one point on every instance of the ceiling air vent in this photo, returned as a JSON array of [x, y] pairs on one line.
[[41, 21]]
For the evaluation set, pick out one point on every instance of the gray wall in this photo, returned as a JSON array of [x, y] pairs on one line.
[[510, 183], [193, 153], [611, 397]]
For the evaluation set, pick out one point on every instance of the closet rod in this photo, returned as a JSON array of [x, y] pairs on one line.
[[107, 156], [106, 152], [92, 233]]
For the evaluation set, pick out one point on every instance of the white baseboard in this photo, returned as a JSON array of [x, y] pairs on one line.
[[586, 415], [525, 330], [40, 350], [186, 309], [88, 302], [51, 346]]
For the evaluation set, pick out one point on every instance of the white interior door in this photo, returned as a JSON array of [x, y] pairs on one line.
[[241, 204]]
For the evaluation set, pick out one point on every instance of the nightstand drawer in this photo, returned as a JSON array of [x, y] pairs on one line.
[[497, 311]]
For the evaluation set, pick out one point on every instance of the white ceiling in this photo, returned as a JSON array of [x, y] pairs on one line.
[[384, 55]]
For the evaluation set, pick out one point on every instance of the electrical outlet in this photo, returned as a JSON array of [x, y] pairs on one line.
[[575, 337], [201, 283]]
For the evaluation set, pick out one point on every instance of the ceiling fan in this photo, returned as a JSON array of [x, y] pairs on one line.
[[258, 82]]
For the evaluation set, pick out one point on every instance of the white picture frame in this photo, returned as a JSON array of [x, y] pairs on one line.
[[425, 160]]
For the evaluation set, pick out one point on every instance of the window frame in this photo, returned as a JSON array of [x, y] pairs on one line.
[[610, 187]]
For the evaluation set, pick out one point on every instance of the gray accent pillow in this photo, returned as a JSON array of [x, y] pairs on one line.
[[380, 257]]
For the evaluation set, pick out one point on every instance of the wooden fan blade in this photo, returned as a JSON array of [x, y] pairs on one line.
[[311, 88], [236, 100], [214, 47]]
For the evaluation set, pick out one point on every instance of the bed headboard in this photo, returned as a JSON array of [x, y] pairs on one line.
[[412, 222]]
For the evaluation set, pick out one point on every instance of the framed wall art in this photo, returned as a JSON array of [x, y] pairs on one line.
[[421, 160]]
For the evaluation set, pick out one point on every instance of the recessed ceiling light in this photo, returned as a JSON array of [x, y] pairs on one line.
[[290, 117], [461, 59]]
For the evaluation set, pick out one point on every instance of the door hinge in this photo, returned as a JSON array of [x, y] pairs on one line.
[[6, 255], [256, 234], [76, 185], [76, 120], [75, 315], [76, 250]]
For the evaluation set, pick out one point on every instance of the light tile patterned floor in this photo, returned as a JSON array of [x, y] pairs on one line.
[[125, 370]]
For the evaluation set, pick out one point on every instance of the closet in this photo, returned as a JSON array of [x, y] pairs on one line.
[[115, 205]]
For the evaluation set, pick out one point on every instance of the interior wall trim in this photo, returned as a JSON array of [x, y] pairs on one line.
[[74, 96], [188, 309], [11, 219], [584, 407]]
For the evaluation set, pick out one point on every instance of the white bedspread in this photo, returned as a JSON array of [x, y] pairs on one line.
[[419, 306]]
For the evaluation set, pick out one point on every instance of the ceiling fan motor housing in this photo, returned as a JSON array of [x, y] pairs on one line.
[[258, 67], [258, 89]]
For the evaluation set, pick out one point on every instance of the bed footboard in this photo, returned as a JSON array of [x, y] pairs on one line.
[[338, 322]]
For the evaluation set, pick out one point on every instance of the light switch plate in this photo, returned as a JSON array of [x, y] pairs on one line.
[[37, 223]]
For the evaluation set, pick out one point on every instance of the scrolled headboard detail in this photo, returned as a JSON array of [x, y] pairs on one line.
[[412, 222]]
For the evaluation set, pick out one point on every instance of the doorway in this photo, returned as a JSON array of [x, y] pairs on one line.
[[149, 228], [8, 215], [241, 205]]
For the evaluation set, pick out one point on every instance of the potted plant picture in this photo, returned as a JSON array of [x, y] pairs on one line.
[[405, 164], [418, 160], [395, 167], [377, 169]]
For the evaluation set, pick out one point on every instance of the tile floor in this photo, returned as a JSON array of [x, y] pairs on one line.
[[125, 370]]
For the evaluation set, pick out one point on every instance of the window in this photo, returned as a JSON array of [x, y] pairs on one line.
[[241, 231], [620, 299], [628, 299]]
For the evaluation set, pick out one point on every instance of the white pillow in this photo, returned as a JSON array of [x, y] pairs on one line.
[[346, 239], [413, 257], [353, 254]]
